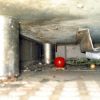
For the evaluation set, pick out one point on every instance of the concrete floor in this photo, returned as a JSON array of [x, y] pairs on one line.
[[53, 84]]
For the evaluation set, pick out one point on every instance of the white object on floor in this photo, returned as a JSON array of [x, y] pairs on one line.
[[93, 55]]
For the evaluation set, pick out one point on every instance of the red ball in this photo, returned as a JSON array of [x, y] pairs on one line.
[[59, 62]]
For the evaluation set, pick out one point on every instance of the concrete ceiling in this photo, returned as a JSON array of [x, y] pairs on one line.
[[40, 11], [61, 17]]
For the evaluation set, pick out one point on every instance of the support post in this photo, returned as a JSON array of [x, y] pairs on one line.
[[9, 47], [48, 53]]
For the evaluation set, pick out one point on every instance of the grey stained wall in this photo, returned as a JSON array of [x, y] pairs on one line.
[[69, 51], [30, 52]]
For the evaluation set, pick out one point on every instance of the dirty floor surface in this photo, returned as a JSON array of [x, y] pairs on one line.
[[53, 85]]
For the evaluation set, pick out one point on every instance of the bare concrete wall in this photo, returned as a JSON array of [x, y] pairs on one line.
[[69, 51], [29, 52]]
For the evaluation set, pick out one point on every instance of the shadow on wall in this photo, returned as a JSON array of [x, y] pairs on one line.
[[30, 52]]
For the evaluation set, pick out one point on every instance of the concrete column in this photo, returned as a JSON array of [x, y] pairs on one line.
[[9, 47], [48, 53]]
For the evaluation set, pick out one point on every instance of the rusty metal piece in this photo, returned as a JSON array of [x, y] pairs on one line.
[[85, 40], [83, 36]]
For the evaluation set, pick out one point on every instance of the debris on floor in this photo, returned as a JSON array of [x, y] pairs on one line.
[[53, 85]]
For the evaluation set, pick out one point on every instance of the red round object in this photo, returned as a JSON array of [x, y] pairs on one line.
[[59, 62]]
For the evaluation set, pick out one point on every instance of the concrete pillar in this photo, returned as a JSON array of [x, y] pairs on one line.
[[9, 47], [48, 53]]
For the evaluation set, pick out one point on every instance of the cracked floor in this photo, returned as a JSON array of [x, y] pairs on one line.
[[53, 85]]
